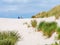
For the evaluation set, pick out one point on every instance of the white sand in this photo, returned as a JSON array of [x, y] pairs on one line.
[[30, 37]]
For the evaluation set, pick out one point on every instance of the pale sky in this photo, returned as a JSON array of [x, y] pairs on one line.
[[25, 8]]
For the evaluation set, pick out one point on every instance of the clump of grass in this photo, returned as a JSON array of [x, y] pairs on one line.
[[40, 26], [33, 23], [48, 28], [55, 43], [58, 37], [8, 38], [58, 32]]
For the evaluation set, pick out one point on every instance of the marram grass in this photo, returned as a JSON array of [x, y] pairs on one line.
[[33, 23], [48, 28], [58, 33], [9, 38]]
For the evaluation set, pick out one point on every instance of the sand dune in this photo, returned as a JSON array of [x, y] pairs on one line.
[[30, 37]]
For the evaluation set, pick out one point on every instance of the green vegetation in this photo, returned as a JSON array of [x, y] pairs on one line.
[[8, 38], [48, 28], [33, 23], [40, 26], [55, 43], [58, 37], [53, 12], [58, 32]]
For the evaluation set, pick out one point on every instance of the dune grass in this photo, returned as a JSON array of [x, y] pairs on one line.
[[48, 28], [9, 38], [40, 26], [58, 33], [55, 43], [58, 30], [33, 23]]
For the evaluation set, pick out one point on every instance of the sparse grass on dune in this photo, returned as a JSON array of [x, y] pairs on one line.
[[48, 28], [8, 38], [53, 12]]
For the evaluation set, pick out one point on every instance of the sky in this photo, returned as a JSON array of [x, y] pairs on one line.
[[25, 8]]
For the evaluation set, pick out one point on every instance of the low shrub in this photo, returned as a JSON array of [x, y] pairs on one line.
[[8, 38], [33, 17]]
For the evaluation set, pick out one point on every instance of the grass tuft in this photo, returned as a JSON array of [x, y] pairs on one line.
[[48, 28], [9, 38], [33, 23]]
